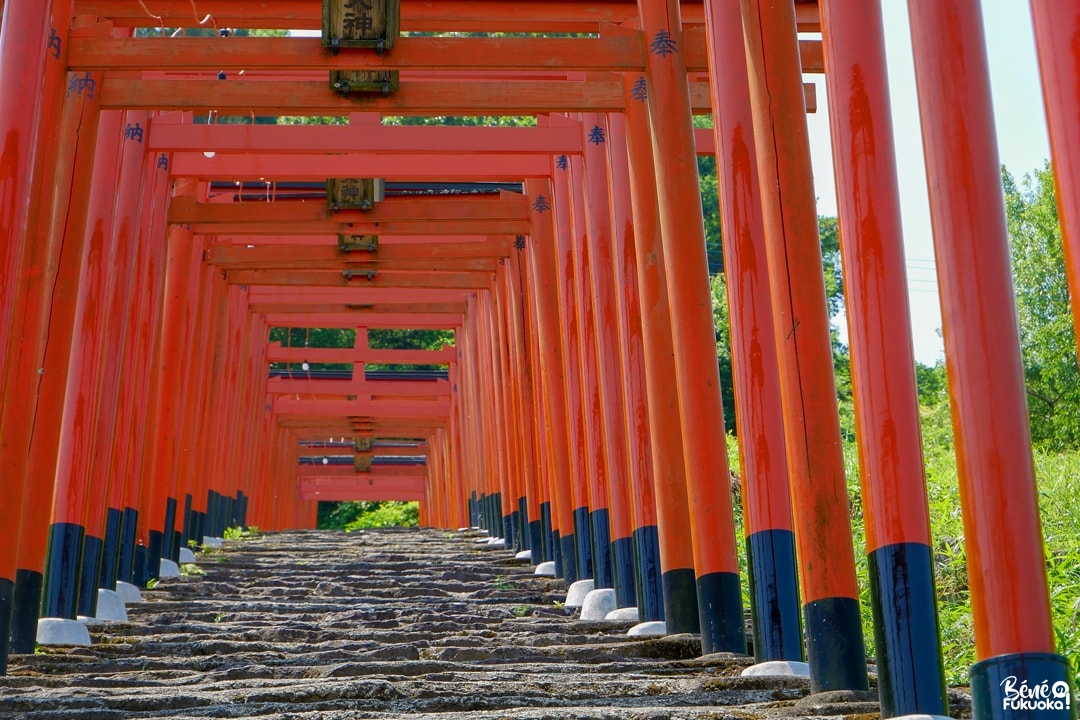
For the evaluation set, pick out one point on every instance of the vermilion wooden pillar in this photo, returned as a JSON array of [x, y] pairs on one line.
[[901, 562], [167, 366], [719, 597], [646, 589], [213, 289], [72, 488], [770, 537], [527, 420], [25, 54], [1057, 27], [120, 526], [542, 552], [105, 501], [597, 514], [602, 285], [39, 366], [576, 538], [665, 547], [31, 73], [546, 292], [1014, 635], [142, 387], [835, 646]]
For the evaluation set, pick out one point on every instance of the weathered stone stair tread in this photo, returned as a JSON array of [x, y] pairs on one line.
[[383, 624]]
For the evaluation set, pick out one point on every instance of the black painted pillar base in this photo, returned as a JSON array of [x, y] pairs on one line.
[[185, 525], [556, 553], [720, 613], [170, 525], [199, 526], [7, 598], [583, 545], [139, 566], [63, 558], [604, 576], [650, 588], [536, 542], [571, 573], [774, 596], [153, 556], [834, 645], [88, 576], [126, 569], [521, 527], [680, 601], [911, 675], [995, 697], [241, 509], [508, 524], [110, 549], [548, 552], [26, 605], [622, 553]]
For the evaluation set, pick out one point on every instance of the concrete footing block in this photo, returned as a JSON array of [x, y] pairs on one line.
[[525, 555], [481, 541], [778, 667], [213, 543], [623, 614], [575, 596], [168, 569], [598, 604], [128, 592], [496, 542], [110, 606], [186, 556], [919, 717], [545, 569], [653, 627], [464, 529], [61, 631]]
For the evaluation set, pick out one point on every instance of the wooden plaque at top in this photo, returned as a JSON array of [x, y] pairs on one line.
[[360, 23]]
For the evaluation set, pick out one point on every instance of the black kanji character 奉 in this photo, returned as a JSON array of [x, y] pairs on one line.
[[541, 204], [663, 44], [640, 91]]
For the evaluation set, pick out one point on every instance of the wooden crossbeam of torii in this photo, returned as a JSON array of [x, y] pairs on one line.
[[449, 255], [275, 352], [570, 16], [361, 487], [436, 408], [354, 275], [300, 384], [382, 320], [618, 49], [316, 166], [281, 152], [186, 210], [598, 92]]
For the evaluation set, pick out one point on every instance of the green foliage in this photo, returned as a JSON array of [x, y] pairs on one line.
[[386, 514], [232, 533], [191, 569], [1051, 373]]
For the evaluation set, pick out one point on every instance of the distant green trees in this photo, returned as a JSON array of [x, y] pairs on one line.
[[1043, 311]]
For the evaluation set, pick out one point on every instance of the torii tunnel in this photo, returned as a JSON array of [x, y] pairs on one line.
[[148, 247]]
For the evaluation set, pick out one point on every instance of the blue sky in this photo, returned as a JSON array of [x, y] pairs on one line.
[[1021, 131]]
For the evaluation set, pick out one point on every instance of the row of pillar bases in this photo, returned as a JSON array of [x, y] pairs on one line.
[[666, 547]]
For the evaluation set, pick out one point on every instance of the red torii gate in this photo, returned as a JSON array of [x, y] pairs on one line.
[[546, 337]]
